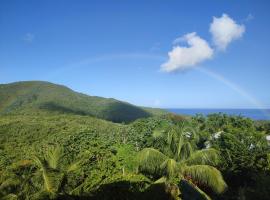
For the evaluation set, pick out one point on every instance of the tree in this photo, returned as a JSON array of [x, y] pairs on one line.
[[179, 161], [54, 173], [16, 181], [244, 159]]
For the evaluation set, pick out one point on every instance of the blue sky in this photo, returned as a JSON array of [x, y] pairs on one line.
[[117, 49]]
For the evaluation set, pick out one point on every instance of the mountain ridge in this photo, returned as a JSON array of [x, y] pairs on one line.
[[25, 96]]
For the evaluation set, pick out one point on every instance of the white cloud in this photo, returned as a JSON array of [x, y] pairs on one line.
[[185, 57], [29, 37], [224, 30]]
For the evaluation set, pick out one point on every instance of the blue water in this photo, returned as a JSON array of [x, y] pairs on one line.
[[255, 114]]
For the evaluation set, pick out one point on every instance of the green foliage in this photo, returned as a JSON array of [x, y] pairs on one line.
[[244, 149], [126, 156], [35, 96], [208, 156], [179, 161], [150, 158], [206, 175], [54, 173]]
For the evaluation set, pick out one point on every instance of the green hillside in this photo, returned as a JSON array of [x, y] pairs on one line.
[[53, 145], [104, 158], [30, 96]]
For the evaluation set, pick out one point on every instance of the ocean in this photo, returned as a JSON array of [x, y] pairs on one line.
[[255, 114]]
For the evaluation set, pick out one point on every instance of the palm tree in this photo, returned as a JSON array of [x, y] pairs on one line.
[[54, 174], [16, 182], [179, 161]]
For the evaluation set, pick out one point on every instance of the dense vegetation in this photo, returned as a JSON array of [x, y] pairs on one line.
[[33, 96], [70, 156], [66, 155]]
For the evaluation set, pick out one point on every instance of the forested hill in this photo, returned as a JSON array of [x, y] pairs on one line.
[[29, 96]]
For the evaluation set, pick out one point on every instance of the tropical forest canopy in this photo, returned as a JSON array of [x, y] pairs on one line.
[[59, 144]]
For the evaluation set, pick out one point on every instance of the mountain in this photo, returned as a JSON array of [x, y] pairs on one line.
[[36, 96]]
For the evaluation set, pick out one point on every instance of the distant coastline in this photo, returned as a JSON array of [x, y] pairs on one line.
[[255, 114]]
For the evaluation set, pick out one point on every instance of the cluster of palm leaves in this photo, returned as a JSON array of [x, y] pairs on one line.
[[17, 178], [176, 160], [54, 173], [44, 177]]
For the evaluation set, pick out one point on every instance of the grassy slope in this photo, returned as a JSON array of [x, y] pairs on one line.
[[29, 96]]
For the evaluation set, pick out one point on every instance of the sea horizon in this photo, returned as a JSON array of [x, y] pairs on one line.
[[253, 113]]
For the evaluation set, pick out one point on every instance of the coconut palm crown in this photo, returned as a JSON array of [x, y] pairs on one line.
[[53, 173], [179, 160]]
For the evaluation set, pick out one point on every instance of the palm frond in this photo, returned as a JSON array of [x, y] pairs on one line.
[[10, 182], [52, 180], [169, 168], [179, 145], [171, 133], [150, 160], [10, 197], [160, 140], [39, 161], [53, 157], [206, 175], [73, 166], [203, 157], [203, 195], [161, 180], [186, 151]]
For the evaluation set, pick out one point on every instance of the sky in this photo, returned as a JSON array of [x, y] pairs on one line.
[[167, 54]]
